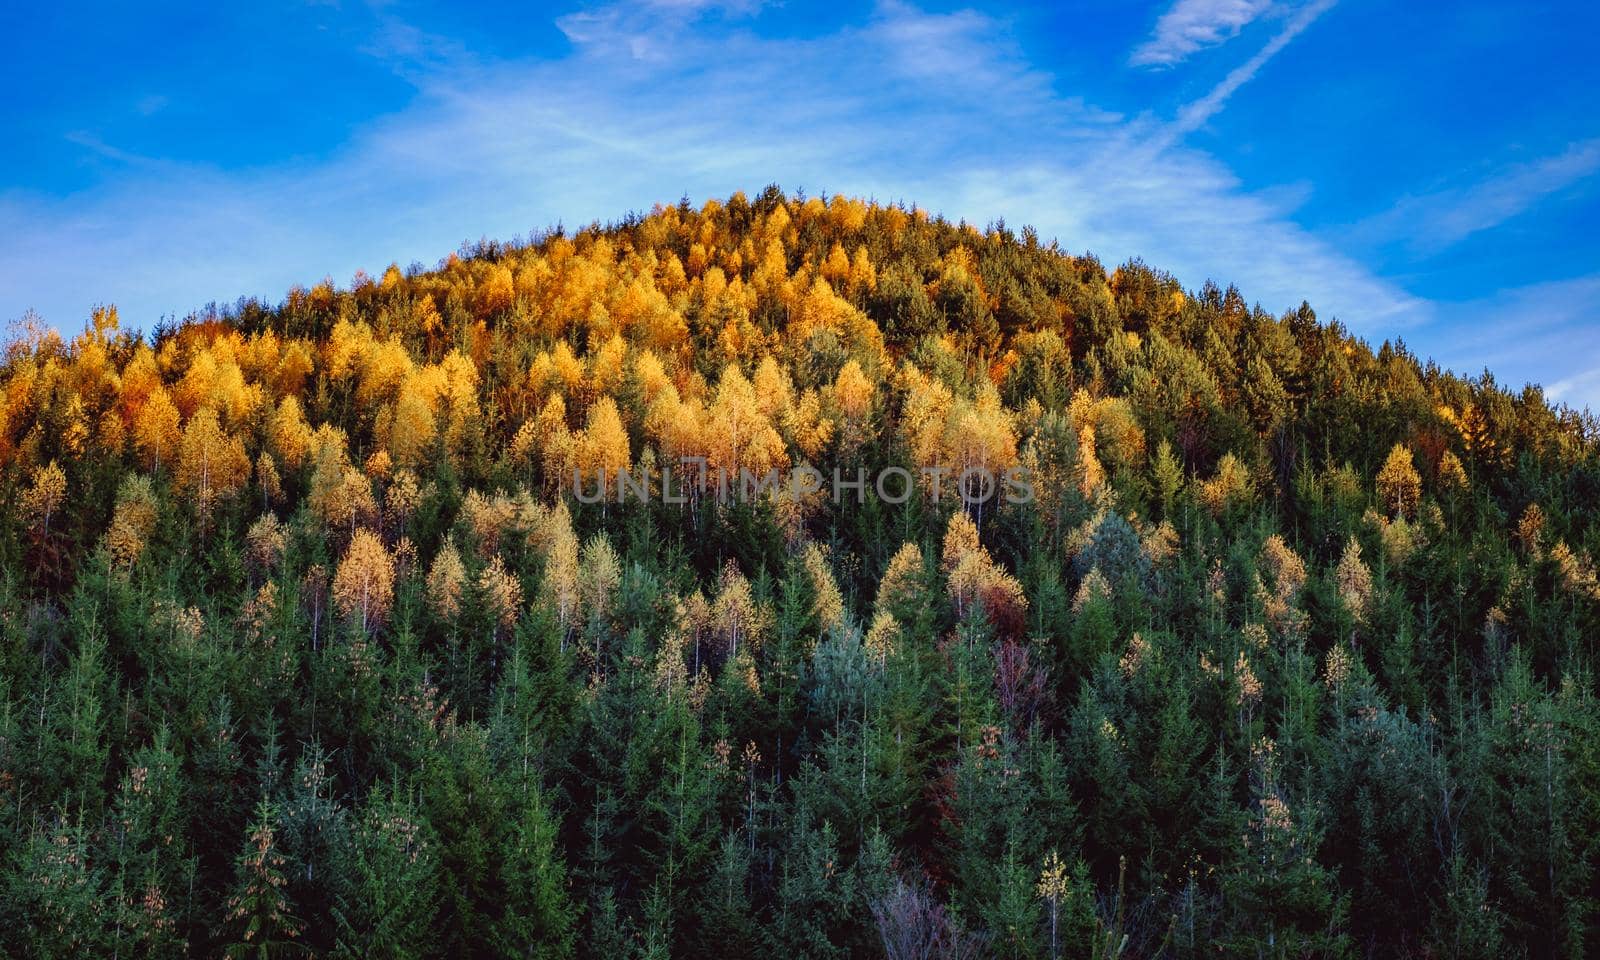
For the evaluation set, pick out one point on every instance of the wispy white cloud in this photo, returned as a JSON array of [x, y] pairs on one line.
[[1536, 333], [1432, 222], [498, 149], [1190, 26], [105, 151], [1580, 390], [649, 30], [1195, 115]]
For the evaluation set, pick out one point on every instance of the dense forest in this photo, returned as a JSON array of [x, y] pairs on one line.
[[307, 646]]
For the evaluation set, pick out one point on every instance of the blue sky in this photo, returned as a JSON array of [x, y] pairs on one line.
[[1423, 171]]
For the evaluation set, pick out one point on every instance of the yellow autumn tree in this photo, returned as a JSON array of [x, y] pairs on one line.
[[350, 500], [1353, 580], [852, 393], [554, 539], [737, 435], [1399, 485], [402, 498], [502, 595], [827, 603], [1452, 475], [156, 430], [960, 540], [211, 464], [460, 398], [971, 574], [1091, 475], [737, 621], [773, 389], [979, 437], [43, 496], [133, 521], [902, 580], [267, 478], [1230, 486], [603, 447], [447, 582], [289, 433], [599, 576], [1285, 575], [411, 427], [363, 587], [881, 637], [265, 544], [498, 292]]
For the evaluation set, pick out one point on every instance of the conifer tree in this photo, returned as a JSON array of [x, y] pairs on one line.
[[258, 911]]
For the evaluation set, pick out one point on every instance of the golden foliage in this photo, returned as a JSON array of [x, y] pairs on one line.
[[1399, 485], [603, 445], [349, 499], [133, 521], [1285, 571], [489, 518], [972, 575], [267, 478], [1159, 543], [737, 435], [289, 433], [1354, 582], [364, 584], [411, 427], [402, 498], [599, 576], [1091, 474], [1530, 529], [827, 603], [902, 579], [960, 540], [211, 464], [554, 539], [1231, 486], [1094, 587], [156, 428], [44, 495], [736, 618], [265, 544], [447, 580], [882, 637], [501, 592], [1452, 475]]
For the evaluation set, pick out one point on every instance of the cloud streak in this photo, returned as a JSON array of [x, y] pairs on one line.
[[1195, 115], [1190, 26], [1433, 222]]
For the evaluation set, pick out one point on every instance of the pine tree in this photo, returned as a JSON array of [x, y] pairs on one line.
[[387, 885], [539, 920], [258, 911]]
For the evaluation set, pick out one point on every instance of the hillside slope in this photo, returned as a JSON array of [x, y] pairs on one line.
[[308, 639]]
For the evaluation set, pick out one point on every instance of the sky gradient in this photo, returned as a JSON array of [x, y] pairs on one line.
[[1417, 171]]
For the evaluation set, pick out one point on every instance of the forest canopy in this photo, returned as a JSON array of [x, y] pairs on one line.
[[306, 647]]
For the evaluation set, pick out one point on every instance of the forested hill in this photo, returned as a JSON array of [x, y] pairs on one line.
[[307, 646]]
